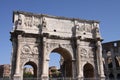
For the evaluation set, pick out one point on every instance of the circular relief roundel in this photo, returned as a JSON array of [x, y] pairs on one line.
[[26, 49], [83, 51]]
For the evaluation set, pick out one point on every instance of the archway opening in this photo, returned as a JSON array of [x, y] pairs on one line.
[[88, 71], [63, 64], [54, 65], [117, 62], [30, 70], [110, 65]]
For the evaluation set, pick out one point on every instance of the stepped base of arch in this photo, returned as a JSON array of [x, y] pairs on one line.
[[44, 77], [17, 77]]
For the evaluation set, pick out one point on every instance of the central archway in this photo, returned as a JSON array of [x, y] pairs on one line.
[[65, 61]]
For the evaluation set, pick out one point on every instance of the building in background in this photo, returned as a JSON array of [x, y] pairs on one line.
[[54, 72], [28, 70], [4, 70], [111, 54]]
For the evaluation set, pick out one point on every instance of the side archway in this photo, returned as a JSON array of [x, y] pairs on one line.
[[117, 62], [88, 71], [30, 70]]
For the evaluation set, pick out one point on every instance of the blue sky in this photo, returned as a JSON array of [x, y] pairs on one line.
[[105, 11]]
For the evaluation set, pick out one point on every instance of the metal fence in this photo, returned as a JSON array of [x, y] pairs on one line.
[[57, 79]]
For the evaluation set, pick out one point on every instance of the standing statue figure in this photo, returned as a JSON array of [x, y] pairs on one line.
[[100, 60], [18, 23], [96, 31]]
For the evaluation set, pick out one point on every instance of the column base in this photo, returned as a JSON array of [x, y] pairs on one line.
[[17, 77], [44, 77], [102, 77], [79, 77]]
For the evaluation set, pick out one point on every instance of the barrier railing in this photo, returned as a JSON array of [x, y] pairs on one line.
[[59, 79]]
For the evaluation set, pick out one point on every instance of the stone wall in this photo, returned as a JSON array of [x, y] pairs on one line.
[[4, 70], [111, 54]]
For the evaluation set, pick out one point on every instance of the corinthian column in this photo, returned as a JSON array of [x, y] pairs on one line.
[[79, 68], [45, 61], [17, 70], [100, 60]]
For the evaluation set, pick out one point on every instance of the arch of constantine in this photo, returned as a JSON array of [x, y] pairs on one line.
[[35, 36]]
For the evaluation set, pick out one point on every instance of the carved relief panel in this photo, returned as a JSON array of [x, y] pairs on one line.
[[26, 49], [87, 54], [32, 21], [83, 53], [84, 27], [29, 51]]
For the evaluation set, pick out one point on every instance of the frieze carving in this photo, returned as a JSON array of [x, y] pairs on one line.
[[30, 39], [26, 49], [66, 45], [23, 56]]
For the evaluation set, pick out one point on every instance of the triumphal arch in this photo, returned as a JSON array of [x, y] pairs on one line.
[[35, 36]]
